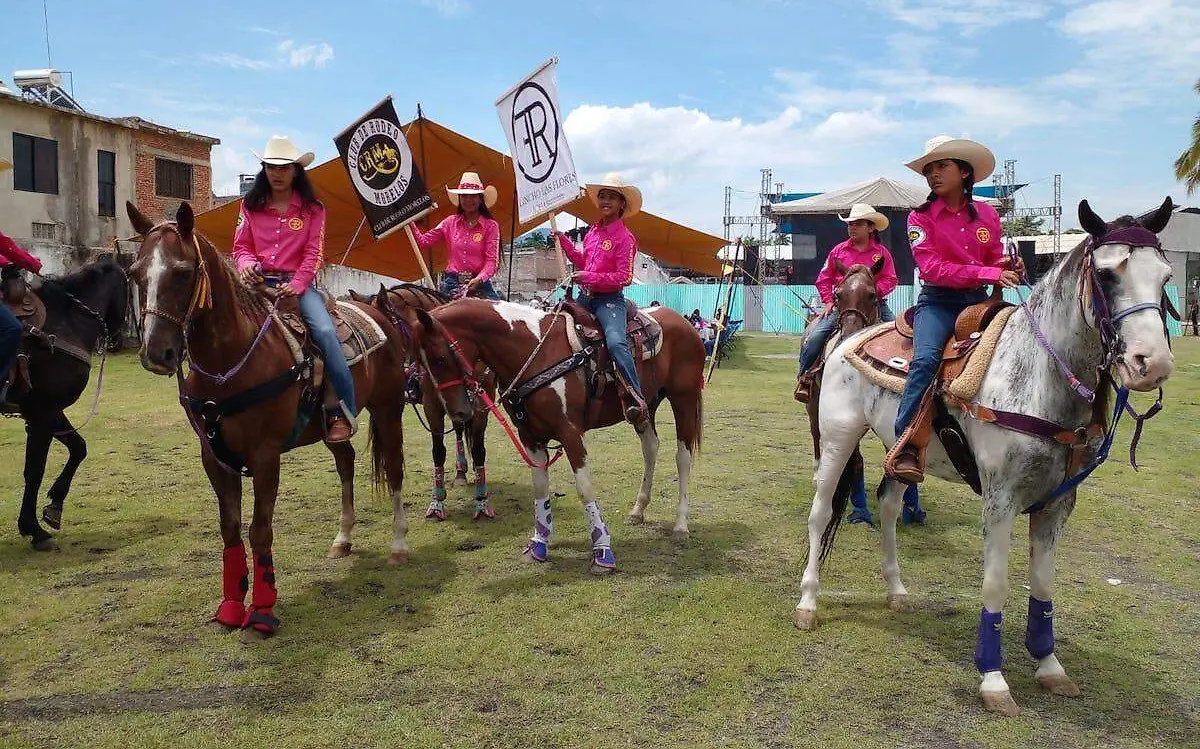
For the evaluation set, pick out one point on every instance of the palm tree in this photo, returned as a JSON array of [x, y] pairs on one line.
[[1187, 166]]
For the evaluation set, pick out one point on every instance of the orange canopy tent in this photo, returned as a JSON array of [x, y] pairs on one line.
[[443, 155]]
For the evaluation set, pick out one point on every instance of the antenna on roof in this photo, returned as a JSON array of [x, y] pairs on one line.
[[46, 29]]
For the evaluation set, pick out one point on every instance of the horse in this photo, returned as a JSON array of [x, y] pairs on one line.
[[542, 365], [196, 310], [82, 309], [413, 295], [1038, 414]]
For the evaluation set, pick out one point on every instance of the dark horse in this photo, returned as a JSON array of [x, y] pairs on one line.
[[82, 310], [523, 345], [421, 297], [195, 310]]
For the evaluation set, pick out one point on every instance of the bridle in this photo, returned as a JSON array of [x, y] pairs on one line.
[[868, 318], [201, 296]]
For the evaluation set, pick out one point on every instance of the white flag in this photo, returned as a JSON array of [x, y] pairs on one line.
[[531, 119]]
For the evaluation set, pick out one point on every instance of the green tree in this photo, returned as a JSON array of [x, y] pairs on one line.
[[1187, 166], [1023, 226]]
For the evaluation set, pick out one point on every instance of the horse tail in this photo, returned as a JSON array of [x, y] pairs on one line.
[[378, 457], [698, 437], [852, 473]]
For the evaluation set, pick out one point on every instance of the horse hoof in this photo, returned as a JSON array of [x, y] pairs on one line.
[[460, 480], [483, 509], [339, 551], [805, 619], [680, 537], [43, 544], [1059, 684], [397, 558], [1000, 703], [899, 603], [252, 635], [52, 516], [633, 519]]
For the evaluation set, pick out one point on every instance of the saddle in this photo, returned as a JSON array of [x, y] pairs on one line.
[[357, 331], [23, 302], [642, 331]]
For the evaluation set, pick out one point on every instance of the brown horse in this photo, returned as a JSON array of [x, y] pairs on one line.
[[195, 309], [421, 297], [521, 345], [857, 308]]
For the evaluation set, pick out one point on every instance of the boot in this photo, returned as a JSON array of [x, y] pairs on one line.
[[340, 426], [804, 386]]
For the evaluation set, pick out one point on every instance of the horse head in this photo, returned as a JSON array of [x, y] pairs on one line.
[[445, 359], [1128, 276], [168, 274], [857, 300]]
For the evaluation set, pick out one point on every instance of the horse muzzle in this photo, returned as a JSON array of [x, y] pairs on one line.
[[1143, 369]]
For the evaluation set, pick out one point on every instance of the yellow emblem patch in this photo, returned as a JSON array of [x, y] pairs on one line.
[[296, 223], [606, 244], [876, 258], [477, 236], [982, 234], [241, 219]]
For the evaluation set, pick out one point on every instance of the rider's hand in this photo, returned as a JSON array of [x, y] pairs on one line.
[[473, 284], [1009, 279], [250, 275]]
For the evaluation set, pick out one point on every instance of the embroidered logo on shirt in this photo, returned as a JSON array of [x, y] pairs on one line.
[[982, 234], [606, 244], [916, 235], [241, 219], [477, 236], [296, 223], [876, 257]]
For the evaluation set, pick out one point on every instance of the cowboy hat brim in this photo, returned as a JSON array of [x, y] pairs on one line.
[[875, 217], [977, 155], [5, 165], [303, 160], [632, 195], [489, 193]]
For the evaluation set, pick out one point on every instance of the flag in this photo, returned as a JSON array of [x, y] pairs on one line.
[[389, 186], [532, 121]]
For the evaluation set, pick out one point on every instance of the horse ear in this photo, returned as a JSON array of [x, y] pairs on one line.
[[424, 318], [877, 266], [141, 224], [1090, 222], [185, 219], [1158, 220], [839, 266]]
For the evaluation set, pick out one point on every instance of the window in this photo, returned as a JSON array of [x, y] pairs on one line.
[[43, 231], [106, 177], [172, 179], [35, 164]]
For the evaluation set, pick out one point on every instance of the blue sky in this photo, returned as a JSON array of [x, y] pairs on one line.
[[683, 98]]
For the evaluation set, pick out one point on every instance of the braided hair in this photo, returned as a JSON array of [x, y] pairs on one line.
[[968, 189]]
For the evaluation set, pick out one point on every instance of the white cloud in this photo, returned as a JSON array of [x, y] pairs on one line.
[[287, 54], [448, 8], [974, 15]]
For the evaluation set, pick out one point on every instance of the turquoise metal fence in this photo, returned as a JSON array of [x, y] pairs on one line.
[[778, 309]]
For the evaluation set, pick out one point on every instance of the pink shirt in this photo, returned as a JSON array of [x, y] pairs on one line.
[[291, 242], [472, 249], [11, 253], [607, 257], [829, 278], [952, 250]]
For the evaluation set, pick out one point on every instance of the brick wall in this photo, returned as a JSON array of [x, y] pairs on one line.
[[151, 145]]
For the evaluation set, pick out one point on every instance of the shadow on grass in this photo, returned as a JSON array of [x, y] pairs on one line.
[[81, 545]]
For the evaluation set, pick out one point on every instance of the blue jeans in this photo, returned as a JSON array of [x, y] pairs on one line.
[[10, 342], [818, 334], [451, 282], [937, 310], [320, 328], [609, 310]]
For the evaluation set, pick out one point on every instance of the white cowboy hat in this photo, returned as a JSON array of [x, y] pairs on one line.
[[864, 212], [281, 150], [613, 181], [5, 165], [470, 184], [944, 147]]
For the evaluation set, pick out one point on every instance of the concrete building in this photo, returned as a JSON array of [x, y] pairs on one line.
[[73, 171]]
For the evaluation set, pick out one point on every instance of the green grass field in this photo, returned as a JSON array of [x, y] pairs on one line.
[[104, 642]]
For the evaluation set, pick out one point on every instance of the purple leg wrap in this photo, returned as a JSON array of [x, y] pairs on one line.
[[987, 650], [1039, 630]]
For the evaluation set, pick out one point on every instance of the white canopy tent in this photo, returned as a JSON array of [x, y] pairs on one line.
[[881, 192]]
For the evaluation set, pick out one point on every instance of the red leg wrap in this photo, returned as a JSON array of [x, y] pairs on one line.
[[234, 584], [261, 615]]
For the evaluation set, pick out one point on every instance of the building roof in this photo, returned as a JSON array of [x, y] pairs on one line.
[[132, 123]]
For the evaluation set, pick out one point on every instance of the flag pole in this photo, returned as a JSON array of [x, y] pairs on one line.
[[512, 245], [425, 174], [720, 323]]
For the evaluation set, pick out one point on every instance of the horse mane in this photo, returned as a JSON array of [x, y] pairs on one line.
[[411, 289], [218, 262], [56, 292]]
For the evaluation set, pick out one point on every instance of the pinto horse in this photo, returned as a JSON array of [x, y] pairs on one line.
[[82, 310], [195, 310], [523, 345], [420, 297], [1039, 414]]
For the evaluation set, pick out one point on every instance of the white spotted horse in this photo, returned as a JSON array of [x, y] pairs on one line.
[[1024, 436], [253, 393], [558, 383]]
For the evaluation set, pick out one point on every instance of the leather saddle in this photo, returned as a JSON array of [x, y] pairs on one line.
[[642, 331], [27, 306], [891, 351], [358, 333]]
